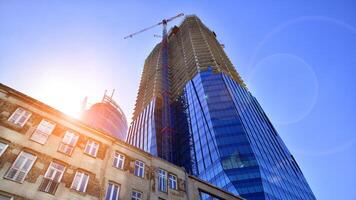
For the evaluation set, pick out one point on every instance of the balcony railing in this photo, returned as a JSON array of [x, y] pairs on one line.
[[49, 186]]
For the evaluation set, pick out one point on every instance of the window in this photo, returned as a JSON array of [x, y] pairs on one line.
[[204, 195], [20, 117], [91, 148], [113, 192], [172, 181], [68, 143], [136, 195], [119, 160], [5, 197], [3, 148], [162, 180], [52, 178], [21, 167], [80, 181], [43, 130], [139, 168]]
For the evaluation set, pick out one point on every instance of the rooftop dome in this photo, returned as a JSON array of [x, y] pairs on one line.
[[107, 117]]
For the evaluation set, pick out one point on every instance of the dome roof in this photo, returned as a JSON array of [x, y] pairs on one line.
[[107, 117]]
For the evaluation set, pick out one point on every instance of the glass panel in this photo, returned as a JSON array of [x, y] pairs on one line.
[[136, 195], [119, 161], [45, 126], [19, 117], [139, 168], [76, 180], [162, 180], [115, 193], [19, 162], [16, 115], [55, 172], [91, 148], [83, 183], [21, 166], [5, 197], [70, 138], [172, 182], [50, 173], [44, 129]]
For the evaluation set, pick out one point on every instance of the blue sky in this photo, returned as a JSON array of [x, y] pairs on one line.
[[297, 58]]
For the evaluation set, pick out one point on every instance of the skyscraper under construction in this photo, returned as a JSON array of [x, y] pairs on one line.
[[218, 130]]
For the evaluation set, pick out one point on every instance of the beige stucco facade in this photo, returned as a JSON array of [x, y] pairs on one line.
[[99, 168]]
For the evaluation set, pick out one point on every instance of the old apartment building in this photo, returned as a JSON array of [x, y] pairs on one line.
[[44, 154]]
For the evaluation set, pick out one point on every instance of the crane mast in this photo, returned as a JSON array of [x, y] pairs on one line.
[[167, 129]]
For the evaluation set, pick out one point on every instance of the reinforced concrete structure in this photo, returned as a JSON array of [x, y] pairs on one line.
[[46, 155], [219, 131]]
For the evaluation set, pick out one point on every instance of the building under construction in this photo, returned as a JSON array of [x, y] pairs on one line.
[[218, 130], [192, 48]]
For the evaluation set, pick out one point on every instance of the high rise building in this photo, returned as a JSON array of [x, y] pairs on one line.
[[219, 131]]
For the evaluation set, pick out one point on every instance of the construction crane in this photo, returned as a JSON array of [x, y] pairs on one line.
[[163, 22], [166, 131]]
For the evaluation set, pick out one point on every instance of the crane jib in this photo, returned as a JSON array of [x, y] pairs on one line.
[[153, 26]]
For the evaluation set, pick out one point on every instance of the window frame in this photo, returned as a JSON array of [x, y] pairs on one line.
[[50, 184], [170, 180], [112, 191], [162, 180], [138, 169], [118, 159], [7, 196], [64, 145], [136, 192], [91, 148], [21, 114], [21, 166], [4, 149], [77, 188], [56, 170], [37, 133]]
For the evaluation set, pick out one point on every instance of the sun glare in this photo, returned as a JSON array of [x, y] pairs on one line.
[[62, 95]]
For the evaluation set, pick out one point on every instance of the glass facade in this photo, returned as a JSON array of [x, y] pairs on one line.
[[205, 155], [222, 135], [235, 145], [142, 132]]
